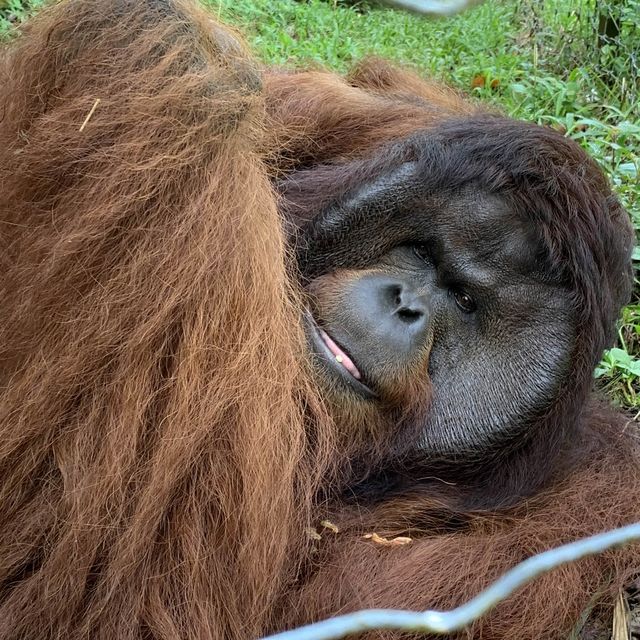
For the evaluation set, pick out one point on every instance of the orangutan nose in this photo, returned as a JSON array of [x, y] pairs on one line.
[[391, 310]]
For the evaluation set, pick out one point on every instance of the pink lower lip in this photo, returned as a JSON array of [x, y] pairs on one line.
[[340, 356]]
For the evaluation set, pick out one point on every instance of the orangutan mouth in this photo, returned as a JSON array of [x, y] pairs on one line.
[[335, 358], [341, 357]]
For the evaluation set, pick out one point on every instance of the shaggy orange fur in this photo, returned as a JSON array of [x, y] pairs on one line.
[[454, 553], [163, 442], [156, 469]]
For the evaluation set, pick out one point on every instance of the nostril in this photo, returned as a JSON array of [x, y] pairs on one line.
[[409, 315], [401, 302]]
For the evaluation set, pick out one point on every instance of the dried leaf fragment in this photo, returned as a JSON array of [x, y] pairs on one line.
[[327, 524], [620, 629], [313, 534], [478, 81], [398, 541]]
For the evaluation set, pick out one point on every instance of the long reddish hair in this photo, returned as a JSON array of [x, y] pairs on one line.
[[156, 468]]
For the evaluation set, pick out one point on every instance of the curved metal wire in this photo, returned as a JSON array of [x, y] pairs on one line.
[[441, 622]]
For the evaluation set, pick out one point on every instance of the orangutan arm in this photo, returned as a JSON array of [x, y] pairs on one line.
[[151, 410], [442, 570]]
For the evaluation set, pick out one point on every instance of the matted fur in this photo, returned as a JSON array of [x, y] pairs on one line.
[[455, 553], [162, 442]]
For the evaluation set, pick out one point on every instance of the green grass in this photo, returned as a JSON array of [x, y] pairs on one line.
[[13, 11], [537, 55]]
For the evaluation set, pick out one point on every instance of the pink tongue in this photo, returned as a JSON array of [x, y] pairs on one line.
[[340, 355]]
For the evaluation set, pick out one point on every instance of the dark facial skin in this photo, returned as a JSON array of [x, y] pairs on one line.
[[452, 290]]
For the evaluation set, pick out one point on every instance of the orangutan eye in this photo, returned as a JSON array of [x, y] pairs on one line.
[[464, 301], [422, 251]]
